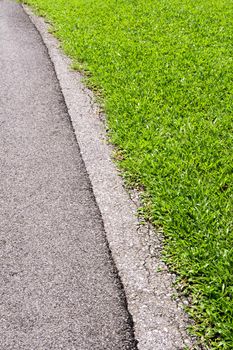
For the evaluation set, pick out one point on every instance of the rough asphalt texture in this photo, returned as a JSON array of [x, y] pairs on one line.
[[58, 285], [159, 320]]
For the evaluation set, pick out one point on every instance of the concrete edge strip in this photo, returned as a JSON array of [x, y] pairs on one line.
[[159, 321]]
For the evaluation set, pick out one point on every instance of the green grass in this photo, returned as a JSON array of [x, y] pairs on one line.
[[165, 71]]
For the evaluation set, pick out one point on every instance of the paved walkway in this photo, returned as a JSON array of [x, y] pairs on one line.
[[58, 287]]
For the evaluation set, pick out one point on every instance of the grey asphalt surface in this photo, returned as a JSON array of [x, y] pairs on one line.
[[58, 284], [160, 322]]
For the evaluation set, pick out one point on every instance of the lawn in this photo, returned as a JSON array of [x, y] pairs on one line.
[[164, 70]]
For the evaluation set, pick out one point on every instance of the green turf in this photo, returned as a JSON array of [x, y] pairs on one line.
[[165, 71]]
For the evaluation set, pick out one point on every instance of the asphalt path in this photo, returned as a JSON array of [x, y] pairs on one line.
[[58, 285]]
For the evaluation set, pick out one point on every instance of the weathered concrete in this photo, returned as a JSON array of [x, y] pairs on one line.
[[58, 285], [158, 320]]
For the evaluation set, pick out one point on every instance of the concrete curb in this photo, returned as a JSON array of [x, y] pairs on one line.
[[159, 322]]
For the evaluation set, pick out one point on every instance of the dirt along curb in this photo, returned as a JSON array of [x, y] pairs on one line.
[[159, 322]]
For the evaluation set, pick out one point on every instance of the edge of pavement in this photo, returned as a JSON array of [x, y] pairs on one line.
[[159, 321]]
